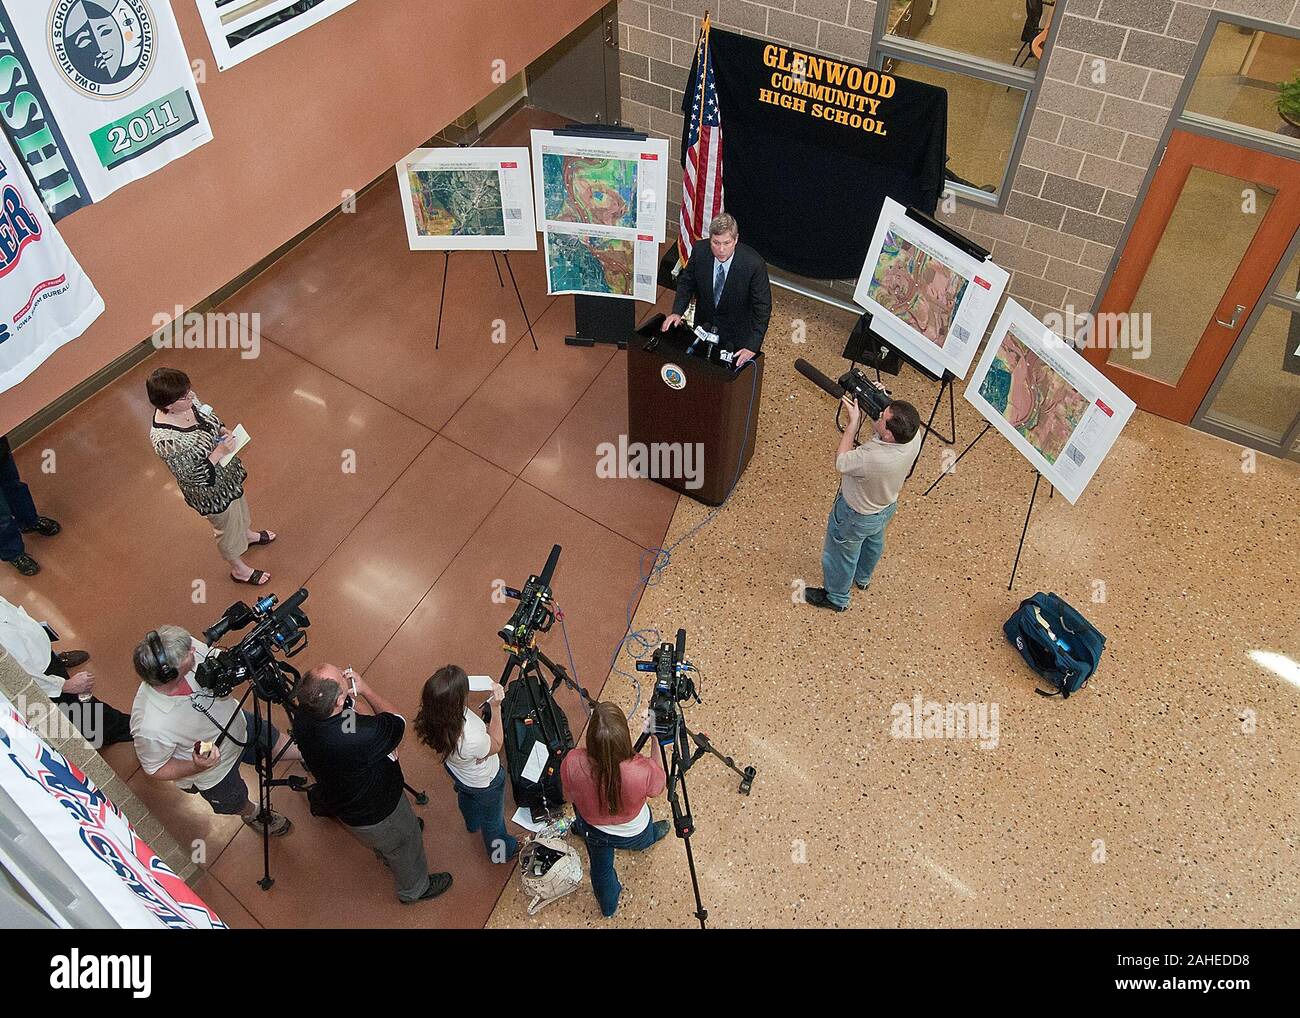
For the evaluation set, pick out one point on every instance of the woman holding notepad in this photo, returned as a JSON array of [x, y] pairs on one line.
[[200, 452]]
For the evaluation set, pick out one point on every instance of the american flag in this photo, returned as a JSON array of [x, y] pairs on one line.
[[702, 174]]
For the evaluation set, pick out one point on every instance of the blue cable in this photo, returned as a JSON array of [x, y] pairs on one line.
[[647, 639]]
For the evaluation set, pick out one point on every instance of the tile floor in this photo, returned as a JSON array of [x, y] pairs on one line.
[[1147, 800]]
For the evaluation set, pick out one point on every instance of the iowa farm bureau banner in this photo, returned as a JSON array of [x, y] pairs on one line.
[[812, 146], [95, 94], [92, 835], [45, 298]]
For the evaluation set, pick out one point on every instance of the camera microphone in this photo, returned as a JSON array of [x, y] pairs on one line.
[[822, 382]]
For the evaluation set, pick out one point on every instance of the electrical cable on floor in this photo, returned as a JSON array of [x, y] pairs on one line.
[[643, 641]]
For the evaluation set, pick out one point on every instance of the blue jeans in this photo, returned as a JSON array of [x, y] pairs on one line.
[[484, 813], [17, 510], [600, 850], [853, 546]]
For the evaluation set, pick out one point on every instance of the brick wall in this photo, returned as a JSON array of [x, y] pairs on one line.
[[1091, 137]]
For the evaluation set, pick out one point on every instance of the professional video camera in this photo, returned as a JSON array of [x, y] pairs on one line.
[[871, 397], [279, 631], [534, 614], [673, 684]]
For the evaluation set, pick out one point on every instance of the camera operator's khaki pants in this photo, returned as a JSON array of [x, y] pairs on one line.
[[399, 843]]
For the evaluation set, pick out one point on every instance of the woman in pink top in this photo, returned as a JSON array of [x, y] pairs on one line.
[[608, 785]]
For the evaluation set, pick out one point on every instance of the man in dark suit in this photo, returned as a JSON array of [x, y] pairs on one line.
[[732, 294]]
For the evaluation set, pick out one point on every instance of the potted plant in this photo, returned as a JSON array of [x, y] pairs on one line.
[[1288, 102]]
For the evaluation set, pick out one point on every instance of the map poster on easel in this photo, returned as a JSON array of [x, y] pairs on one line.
[[468, 199], [925, 294], [1061, 413]]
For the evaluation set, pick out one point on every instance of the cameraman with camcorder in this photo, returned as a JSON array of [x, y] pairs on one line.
[[872, 476], [608, 784], [359, 782], [176, 724]]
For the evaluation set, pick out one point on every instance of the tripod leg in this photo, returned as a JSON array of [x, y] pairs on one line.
[[515, 282], [683, 823], [421, 798], [1020, 547], [934, 410], [442, 301], [959, 458]]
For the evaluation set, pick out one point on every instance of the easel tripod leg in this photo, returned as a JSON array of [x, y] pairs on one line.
[[1020, 547]]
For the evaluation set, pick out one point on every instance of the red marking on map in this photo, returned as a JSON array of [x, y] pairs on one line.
[[984, 283], [1105, 409]]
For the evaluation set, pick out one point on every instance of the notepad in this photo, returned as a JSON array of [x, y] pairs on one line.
[[241, 440]]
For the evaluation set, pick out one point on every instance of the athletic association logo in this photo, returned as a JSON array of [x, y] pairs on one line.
[[105, 48], [673, 376]]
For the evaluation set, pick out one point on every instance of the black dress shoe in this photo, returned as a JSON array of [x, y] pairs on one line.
[[25, 564], [73, 658], [816, 596], [438, 882], [44, 526]]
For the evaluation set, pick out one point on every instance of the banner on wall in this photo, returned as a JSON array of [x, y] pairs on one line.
[[92, 835], [239, 29], [95, 94], [813, 146], [45, 298]]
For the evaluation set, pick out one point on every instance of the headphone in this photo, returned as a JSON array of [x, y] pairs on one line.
[[163, 668]]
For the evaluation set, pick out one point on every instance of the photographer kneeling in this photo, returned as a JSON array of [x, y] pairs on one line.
[[872, 475], [469, 749], [608, 785], [353, 757], [172, 714]]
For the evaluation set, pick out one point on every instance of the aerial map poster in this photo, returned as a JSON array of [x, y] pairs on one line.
[[930, 298], [600, 262], [468, 199], [601, 204], [1059, 411]]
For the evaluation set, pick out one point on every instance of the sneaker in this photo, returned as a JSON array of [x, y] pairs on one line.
[[860, 586], [279, 827], [44, 526], [438, 883], [816, 596], [25, 564], [662, 827]]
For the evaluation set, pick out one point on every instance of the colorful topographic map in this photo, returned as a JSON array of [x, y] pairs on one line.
[[594, 191], [917, 287], [1036, 399], [457, 203], [589, 264]]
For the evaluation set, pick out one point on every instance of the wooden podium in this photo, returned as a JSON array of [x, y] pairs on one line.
[[681, 399]]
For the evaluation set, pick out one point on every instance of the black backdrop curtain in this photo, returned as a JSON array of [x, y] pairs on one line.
[[812, 145]]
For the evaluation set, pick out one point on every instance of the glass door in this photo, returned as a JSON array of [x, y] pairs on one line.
[[1214, 226]]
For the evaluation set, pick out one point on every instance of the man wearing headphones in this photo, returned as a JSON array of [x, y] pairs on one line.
[[173, 717]]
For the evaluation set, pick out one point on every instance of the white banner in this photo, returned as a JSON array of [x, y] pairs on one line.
[[929, 298], [45, 298], [95, 94], [1060, 412], [476, 199], [239, 29], [92, 835]]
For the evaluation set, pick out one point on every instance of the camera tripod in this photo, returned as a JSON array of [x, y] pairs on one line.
[[683, 760]]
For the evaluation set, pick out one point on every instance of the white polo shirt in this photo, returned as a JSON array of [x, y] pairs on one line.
[[473, 762], [167, 727]]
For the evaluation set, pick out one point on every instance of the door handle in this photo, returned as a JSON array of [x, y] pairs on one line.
[[1236, 316]]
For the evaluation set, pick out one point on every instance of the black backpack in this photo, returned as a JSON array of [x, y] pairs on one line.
[[529, 714]]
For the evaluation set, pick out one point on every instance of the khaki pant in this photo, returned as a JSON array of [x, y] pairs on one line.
[[230, 528]]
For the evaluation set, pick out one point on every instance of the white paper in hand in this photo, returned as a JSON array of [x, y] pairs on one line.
[[536, 761], [241, 440]]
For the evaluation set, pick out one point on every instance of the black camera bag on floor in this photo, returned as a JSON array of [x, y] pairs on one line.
[[529, 714]]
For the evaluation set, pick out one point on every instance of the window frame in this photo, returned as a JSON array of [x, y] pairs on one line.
[[886, 47]]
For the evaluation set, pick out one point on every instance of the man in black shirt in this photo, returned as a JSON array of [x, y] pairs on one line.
[[353, 757]]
